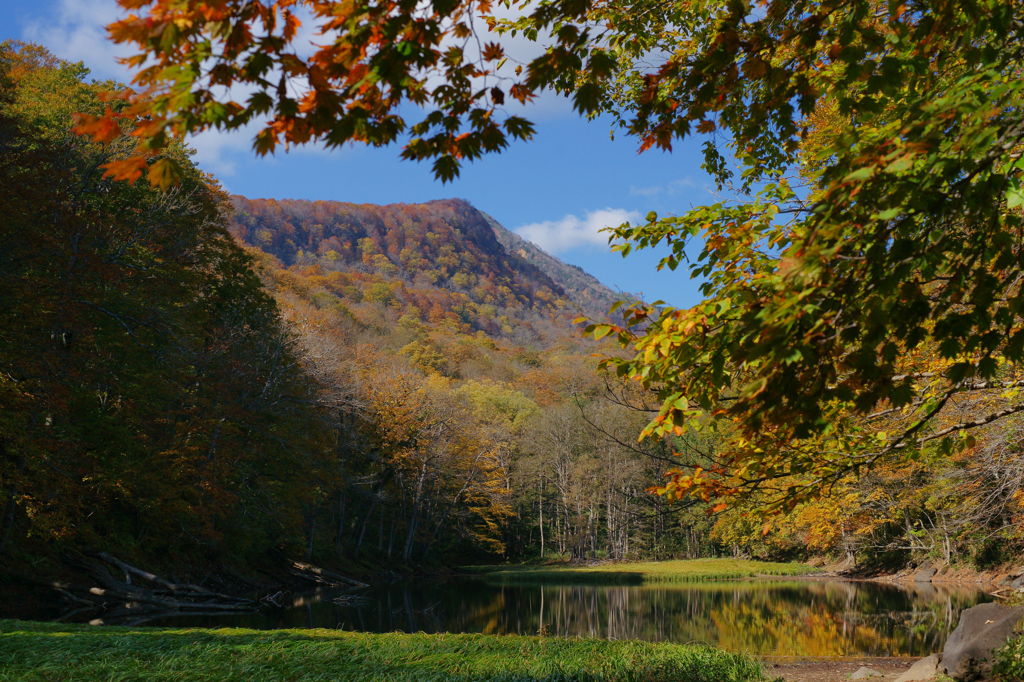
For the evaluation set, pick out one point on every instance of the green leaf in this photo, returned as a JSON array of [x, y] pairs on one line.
[[861, 174], [1015, 197]]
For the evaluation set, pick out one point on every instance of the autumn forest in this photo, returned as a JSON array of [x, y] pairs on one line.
[[211, 402], [224, 381]]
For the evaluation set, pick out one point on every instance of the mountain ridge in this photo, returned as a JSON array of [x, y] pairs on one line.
[[578, 281], [444, 243]]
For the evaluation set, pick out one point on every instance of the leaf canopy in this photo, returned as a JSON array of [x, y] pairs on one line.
[[871, 264]]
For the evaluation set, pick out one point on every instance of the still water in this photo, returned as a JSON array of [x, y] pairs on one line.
[[769, 617]]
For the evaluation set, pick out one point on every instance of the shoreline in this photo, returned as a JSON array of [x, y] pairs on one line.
[[74, 651], [999, 582], [833, 668]]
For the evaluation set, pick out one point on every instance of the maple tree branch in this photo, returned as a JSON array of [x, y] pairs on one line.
[[974, 423]]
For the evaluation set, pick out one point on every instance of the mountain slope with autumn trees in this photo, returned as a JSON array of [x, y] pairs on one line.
[[208, 385], [485, 271], [411, 314], [201, 407]]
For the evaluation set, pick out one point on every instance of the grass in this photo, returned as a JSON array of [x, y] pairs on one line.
[[54, 651], [638, 573], [1009, 660]]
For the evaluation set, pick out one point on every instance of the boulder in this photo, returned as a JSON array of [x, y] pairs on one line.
[[924, 574], [925, 669], [1014, 577], [865, 673], [982, 629]]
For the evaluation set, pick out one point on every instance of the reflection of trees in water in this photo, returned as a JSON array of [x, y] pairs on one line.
[[815, 618]]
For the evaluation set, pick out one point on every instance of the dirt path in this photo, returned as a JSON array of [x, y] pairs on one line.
[[800, 669]]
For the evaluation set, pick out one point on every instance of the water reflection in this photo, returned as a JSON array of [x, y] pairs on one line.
[[795, 617]]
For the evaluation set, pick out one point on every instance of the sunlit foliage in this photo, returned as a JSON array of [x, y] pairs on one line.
[[867, 268]]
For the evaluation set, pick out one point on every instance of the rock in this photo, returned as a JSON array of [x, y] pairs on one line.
[[925, 590], [982, 629], [865, 673], [925, 669], [924, 574]]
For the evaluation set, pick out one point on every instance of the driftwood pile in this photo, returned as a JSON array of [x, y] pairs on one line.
[[127, 595], [137, 596]]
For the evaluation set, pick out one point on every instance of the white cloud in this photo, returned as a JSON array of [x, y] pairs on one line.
[[215, 148], [558, 236], [75, 30], [674, 187], [222, 151]]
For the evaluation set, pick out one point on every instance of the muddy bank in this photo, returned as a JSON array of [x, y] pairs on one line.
[[834, 669], [1000, 580]]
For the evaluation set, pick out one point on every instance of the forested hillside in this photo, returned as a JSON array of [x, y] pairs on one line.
[[381, 384], [151, 400], [568, 475], [447, 258], [411, 315], [360, 386]]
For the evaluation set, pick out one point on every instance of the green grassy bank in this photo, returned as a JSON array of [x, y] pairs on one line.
[[54, 651], [636, 573]]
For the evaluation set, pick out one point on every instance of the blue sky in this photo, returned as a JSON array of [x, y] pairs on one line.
[[556, 190]]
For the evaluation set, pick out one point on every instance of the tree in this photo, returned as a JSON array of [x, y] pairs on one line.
[[870, 264], [151, 399], [849, 308]]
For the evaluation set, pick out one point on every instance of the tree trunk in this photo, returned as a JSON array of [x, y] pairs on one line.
[[362, 528], [540, 514], [414, 520], [310, 534], [339, 533], [7, 520], [391, 535]]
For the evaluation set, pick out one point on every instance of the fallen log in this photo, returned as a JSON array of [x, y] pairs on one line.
[[324, 576], [118, 599], [173, 587], [273, 599], [143, 597]]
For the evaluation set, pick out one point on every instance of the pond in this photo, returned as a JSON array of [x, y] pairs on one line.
[[803, 617]]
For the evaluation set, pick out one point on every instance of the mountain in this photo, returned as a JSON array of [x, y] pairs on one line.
[[444, 247], [445, 358], [580, 286]]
